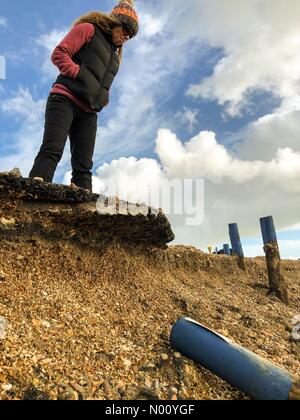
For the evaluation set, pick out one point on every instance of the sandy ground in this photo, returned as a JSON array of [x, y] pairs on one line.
[[94, 323]]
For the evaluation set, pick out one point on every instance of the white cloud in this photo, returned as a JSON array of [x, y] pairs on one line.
[[188, 117], [151, 25], [47, 43], [3, 22], [262, 138], [203, 156], [289, 249], [22, 107], [260, 40], [292, 228], [28, 114]]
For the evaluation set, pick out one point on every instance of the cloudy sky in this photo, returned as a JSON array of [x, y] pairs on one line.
[[209, 89]]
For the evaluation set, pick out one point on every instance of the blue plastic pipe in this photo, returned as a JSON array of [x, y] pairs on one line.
[[268, 230], [241, 368], [272, 237], [236, 240], [264, 231], [226, 248]]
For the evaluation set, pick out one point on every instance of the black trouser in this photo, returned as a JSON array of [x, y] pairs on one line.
[[62, 118]]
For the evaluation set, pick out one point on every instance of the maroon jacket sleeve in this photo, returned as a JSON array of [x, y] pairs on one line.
[[69, 46]]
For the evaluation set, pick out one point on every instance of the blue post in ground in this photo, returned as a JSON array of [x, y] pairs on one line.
[[237, 244], [277, 283], [241, 368], [235, 240], [271, 231], [264, 230], [268, 230], [226, 248]]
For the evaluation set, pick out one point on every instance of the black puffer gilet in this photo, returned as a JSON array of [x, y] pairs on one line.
[[99, 64]]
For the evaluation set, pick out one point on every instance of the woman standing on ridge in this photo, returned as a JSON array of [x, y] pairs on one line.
[[88, 59]]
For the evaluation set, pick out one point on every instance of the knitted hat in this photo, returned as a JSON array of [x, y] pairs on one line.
[[128, 17]]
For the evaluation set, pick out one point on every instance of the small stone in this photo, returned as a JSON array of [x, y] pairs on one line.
[[130, 393], [289, 363], [34, 394], [164, 357], [20, 257], [143, 209], [153, 211], [148, 383], [183, 395], [6, 387], [35, 382], [127, 363], [2, 276], [107, 387], [177, 355], [120, 384], [147, 394], [68, 394], [36, 323], [46, 324], [157, 385], [224, 332], [3, 325], [234, 309], [46, 361], [104, 357], [296, 349], [133, 209], [78, 388], [2, 378], [250, 321], [16, 172], [7, 223], [148, 367]]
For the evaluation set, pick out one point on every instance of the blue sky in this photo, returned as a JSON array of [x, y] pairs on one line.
[[208, 81]]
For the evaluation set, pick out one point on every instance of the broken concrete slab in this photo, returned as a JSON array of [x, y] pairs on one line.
[[57, 211]]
